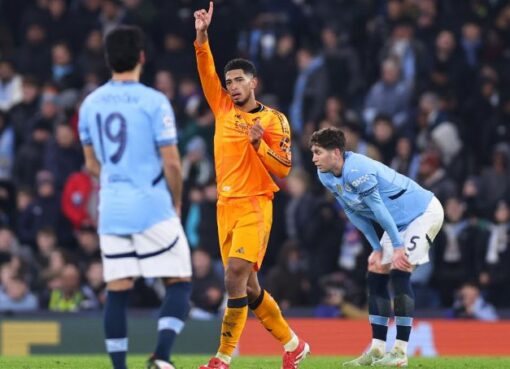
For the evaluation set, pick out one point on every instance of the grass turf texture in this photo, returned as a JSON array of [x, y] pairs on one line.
[[193, 362]]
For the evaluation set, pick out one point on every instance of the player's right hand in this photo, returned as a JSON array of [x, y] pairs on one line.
[[375, 260], [203, 18]]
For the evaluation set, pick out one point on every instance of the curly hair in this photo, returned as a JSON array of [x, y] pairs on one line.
[[328, 138]]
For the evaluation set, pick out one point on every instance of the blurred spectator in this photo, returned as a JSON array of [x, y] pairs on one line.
[[8, 242], [35, 47], [94, 280], [50, 272], [493, 185], [10, 86], [406, 161], [63, 155], [310, 90], [208, 287], [30, 157], [471, 43], [7, 203], [197, 166], [355, 142], [409, 53], [15, 296], [63, 70], [80, 199], [91, 59], [301, 210], [88, 246], [208, 231], [21, 114], [448, 66], [342, 64], [6, 148], [176, 56], [391, 95], [164, 82], [60, 24], [46, 244], [469, 304], [201, 227], [24, 226], [383, 137], [459, 251], [434, 178], [496, 273], [44, 210], [85, 17], [480, 108], [68, 294], [279, 72], [290, 267], [112, 15]]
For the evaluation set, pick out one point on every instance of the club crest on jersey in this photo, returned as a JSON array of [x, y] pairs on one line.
[[339, 188]]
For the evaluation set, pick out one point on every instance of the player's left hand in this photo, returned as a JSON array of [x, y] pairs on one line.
[[255, 134], [400, 260]]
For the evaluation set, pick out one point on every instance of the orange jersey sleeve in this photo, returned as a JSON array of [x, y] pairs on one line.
[[274, 150], [217, 98], [240, 169]]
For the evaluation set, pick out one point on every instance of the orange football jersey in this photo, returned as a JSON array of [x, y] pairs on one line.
[[240, 169]]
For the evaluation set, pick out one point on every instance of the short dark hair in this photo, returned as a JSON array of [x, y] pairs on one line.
[[247, 66], [122, 48], [329, 138]]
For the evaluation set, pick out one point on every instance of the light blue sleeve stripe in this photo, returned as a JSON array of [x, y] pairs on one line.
[[404, 320], [169, 322], [383, 217], [116, 344], [167, 142], [379, 320], [366, 228]]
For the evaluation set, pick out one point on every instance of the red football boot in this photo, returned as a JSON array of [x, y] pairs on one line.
[[215, 363], [291, 359]]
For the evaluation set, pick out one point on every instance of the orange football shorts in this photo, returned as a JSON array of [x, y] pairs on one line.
[[244, 224]]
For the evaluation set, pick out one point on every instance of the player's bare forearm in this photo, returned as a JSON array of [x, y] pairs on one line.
[[173, 173], [91, 163], [94, 169], [173, 176], [202, 37]]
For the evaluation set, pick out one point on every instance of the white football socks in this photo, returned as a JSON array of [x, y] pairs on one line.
[[292, 344], [401, 345], [379, 345]]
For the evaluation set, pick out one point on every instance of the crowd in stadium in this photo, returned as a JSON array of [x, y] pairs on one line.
[[413, 86]]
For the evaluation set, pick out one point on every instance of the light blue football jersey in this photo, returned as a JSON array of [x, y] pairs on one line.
[[403, 198], [126, 123]]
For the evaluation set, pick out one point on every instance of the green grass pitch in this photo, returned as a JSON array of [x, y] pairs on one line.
[[193, 362]]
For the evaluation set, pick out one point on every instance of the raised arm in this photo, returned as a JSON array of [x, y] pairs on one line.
[[216, 96]]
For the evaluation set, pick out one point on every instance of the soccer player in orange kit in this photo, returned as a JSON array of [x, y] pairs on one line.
[[251, 142]]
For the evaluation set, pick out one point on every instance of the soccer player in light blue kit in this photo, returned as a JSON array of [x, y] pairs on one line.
[[129, 140], [411, 217]]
